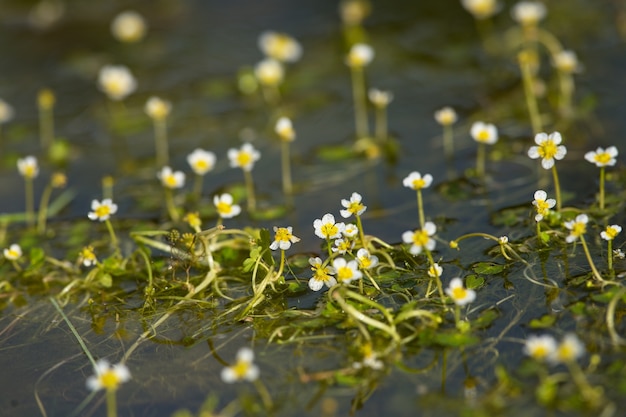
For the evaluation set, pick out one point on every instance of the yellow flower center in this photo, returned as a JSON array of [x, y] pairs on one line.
[[201, 165], [355, 207], [483, 136], [13, 254], [109, 380], [420, 238], [193, 219], [611, 232], [579, 228], [329, 230], [320, 274], [241, 369], [103, 211], [170, 181], [547, 149], [344, 273], [283, 235], [539, 352], [224, 208], [542, 207], [419, 183], [565, 353], [602, 158], [365, 262], [459, 293], [243, 159], [29, 171]]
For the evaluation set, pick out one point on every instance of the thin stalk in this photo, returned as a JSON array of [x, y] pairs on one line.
[[610, 256], [531, 99], [596, 274], [359, 226], [111, 403], [602, 178], [264, 394], [448, 142], [381, 123], [80, 340], [557, 188], [431, 261], [43, 209], [171, 206], [161, 145], [46, 127], [112, 234], [251, 200], [197, 186], [420, 208], [360, 102], [30, 201], [286, 168]]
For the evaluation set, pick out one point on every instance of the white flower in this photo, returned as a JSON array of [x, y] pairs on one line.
[[225, 207], [128, 26], [321, 275], [280, 46], [360, 55], [577, 227], [157, 108], [570, 349], [484, 133], [107, 376], [602, 157], [540, 347], [13, 252], [201, 161], [326, 228], [243, 158], [87, 256], [415, 181], [542, 204], [269, 72], [611, 232], [503, 240], [171, 179], [342, 246], [6, 112], [619, 254], [352, 206], [116, 81], [102, 210], [284, 129], [481, 9], [28, 167], [365, 260], [548, 148], [283, 238], [459, 294], [370, 358], [346, 271], [243, 369], [350, 230], [421, 239], [528, 13], [380, 99], [446, 116], [435, 270], [567, 62]]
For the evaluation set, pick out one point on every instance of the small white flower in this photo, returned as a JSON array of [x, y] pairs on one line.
[[342, 246], [459, 294], [569, 350], [346, 271], [528, 13], [611, 232], [13, 252], [567, 62], [435, 270], [322, 275], [87, 256], [243, 369], [542, 204], [503, 240], [484, 133], [379, 98], [619, 254], [446, 116], [280, 46], [225, 207], [577, 227], [128, 26], [370, 358], [326, 228], [352, 206], [116, 81], [269, 72], [171, 179], [365, 260], [102, 210], [157, 108], [481, 9], [350, 230], [28, 167], [243, 158], [283, 238], [360, 55], [284, 129], [421, 239], [201, 161], [6, 112], [602, 157], [548, 149], [415, 181], [540, 347], [108, 377]]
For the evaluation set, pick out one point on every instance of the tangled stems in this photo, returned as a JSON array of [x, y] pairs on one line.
[[504, 245]]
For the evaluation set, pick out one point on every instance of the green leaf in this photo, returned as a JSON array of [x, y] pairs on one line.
[[488, 268], [37, 257], [473, 282], [544, 322]]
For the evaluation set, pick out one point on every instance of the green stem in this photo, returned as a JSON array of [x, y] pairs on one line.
[[448, 142], [420, 208], [171, 206], [30, 202], [431, 261], [602, 178], [360, 102], [381, 123], [480, 160], [197, 186], [112, 234], [531, 99], [359, 226], [43, 209], [596, 274], [111, 403], [557, 188], [286, 168], [251, 200], [161, 145], [610, 256], [46, 127]]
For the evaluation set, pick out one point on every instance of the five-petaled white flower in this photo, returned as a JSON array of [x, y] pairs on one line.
[[128, 26], [570, 349], [243, 369], [342, 246], [284, 129], [611, 232], [577, 227], [421, 239], [481, 9], [352, 206], [484, 133], [360, 55], [280, 46], [244, 157], [435, 270], [157, 108], [540, 347], [201, 161], [116, 81], [346, 271], [321, 274], [326, 228], [225, 207], [350, 230], [269, 72], [446, 116], [171, 179], [108, 377], [528, 13], [102, 210], [602, 157], [28, 167], [13, 252], [542, 204], [548, 149], [415, 181], [459, 294], [365, 259], [283, 238]]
